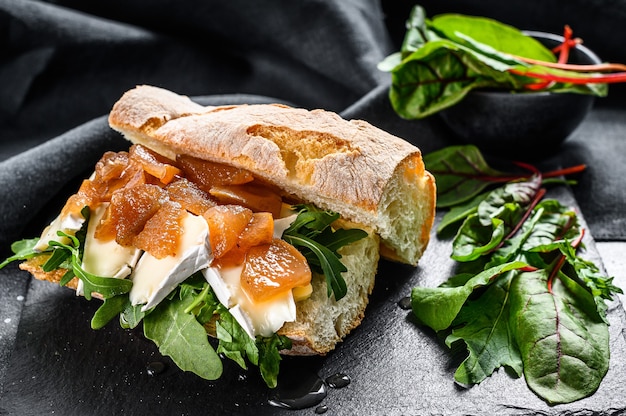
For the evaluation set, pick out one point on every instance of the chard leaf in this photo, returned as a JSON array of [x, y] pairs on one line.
[[474, 239], [444, 58], [563, 342], [22, 250], [521, 194], [484, 328], [487, 35], [459, 213], [180, 336], [461, 172], [438, 307], [600, 286], [269, 356]]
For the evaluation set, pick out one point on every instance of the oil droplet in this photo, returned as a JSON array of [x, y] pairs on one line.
[[155, 367], [338, 381], [320, 410], [405, 303], [299, 395]]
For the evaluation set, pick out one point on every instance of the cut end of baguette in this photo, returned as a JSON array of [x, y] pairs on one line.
[[322, 321]]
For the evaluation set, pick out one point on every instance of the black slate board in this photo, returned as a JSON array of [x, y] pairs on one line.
[[59, 366]]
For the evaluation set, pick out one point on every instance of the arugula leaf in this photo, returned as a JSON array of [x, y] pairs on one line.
[[180, 336], [269, 356], [235, 343], [22, 250], [106, 286], [312, 235], [109, 309]]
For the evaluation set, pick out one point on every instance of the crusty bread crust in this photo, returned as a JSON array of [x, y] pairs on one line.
[[350, 167]]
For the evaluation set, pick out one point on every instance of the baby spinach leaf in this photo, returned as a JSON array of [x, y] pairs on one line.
[[563, 342], [180, 336]]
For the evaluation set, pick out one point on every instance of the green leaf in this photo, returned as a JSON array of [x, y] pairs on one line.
[[22, 250], [132, 315], [109, 309], [461, 173], [329, 262], [444, 58], [563, 342], [438, 307], [107, 287], [180, 336], [312, 235], [235, 343], [484, 328], [600, 286], [459, 213], [474, 239], [477, 31], [269, 356]]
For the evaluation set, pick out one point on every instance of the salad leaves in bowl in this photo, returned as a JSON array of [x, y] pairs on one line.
[[493, 84]]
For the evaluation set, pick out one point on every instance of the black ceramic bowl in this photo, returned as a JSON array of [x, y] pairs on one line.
[[528, 122]]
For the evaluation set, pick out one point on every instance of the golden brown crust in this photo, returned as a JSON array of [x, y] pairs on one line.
[[344, 166], [34, 267]]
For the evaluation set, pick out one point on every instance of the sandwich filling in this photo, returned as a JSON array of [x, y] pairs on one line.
[[163, 224]]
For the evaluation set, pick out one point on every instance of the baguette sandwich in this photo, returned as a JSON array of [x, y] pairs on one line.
[[262, 225]]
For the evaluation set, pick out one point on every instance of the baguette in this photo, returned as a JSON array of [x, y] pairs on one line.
[[374, 180], [368, 175]]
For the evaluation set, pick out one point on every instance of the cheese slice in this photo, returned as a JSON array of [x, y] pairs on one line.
[[105, 258], [153, 279], [256, 318]]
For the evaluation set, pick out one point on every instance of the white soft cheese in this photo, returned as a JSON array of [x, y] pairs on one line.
[[256, 318], [105, 258], [69, 224], [153, 279]]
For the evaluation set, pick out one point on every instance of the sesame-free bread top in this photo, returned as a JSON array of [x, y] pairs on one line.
[[366, 174]]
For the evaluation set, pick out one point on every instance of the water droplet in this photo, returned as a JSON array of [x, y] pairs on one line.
[[405, 303], [338, 381], [320, 410], [155, 367], [306, 393]]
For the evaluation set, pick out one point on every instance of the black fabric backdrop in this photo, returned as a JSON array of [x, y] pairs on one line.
[[64, 63]]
